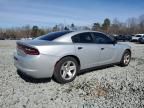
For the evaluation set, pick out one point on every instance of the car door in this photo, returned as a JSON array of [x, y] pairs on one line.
[[107, 48], [87, 51]]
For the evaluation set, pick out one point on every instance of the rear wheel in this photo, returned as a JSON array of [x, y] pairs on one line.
[[66, 70], [125, 58]]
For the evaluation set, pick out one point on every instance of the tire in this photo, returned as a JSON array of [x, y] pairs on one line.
[[125, 58], [66, 70]]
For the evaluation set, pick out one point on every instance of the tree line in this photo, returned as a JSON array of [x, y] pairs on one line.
[[129, 27]]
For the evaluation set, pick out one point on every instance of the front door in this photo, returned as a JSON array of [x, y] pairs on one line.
[[107, 48], [87, 51]]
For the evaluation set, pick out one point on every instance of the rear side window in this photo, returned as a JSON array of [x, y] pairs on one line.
[[82, 38], [52, 36]]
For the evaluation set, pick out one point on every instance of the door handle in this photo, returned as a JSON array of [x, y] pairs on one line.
[[102, 48], [79, 48]]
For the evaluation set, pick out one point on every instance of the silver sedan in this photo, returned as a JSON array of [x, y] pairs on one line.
[[63, 54]]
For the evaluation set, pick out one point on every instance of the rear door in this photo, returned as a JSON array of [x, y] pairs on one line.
[[107, 48], [87, 51]]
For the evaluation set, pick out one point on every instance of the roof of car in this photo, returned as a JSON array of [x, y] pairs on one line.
[[67, 37], [82, 31], [139, 34]]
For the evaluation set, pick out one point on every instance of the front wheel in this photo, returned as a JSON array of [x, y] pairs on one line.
[[126, 58], [66, 70]]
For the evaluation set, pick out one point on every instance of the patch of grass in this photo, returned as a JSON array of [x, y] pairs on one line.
[[90, 89]]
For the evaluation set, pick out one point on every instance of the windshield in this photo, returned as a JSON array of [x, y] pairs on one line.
[[53, 35]]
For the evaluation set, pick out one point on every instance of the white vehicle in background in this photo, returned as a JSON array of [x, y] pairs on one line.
[[26, 38], [137, 37]]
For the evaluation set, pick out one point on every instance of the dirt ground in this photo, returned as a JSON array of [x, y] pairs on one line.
[[114, 86]]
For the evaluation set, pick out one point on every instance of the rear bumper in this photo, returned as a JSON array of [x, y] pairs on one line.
[[41, 66]]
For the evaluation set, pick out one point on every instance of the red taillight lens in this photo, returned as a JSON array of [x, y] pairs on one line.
[[31, 51], [28, 50]]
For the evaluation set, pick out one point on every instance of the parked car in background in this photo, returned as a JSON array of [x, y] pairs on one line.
[[129, 37], [141, 40], [123, 38], [137, 37], [1, 38], [63, 54]]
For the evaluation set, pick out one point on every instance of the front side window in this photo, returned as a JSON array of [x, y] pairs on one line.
[[82, 38], [100, 38]]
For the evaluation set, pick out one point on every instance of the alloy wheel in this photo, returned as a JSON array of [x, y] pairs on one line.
[[126, 59], [68, 70]]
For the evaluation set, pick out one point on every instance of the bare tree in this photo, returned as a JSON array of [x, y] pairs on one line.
[[96, 27], [141, 24], [131, 26]]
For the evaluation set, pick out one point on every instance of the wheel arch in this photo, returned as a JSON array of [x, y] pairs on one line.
[[75, 57], [128, 50]]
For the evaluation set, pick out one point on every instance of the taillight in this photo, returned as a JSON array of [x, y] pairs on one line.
[[28, 50]]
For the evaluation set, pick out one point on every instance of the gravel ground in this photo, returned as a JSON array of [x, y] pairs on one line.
[[111, 87]]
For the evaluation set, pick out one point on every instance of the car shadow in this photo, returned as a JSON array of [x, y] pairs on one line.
[[46, 80], [32, 80], [85, 71]]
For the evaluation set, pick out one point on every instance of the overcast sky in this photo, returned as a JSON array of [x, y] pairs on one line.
[[80, 12]]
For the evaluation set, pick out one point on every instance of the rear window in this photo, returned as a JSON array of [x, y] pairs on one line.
[[53, 35]]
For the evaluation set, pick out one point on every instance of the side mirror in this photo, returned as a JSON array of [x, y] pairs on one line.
[[114, 41]]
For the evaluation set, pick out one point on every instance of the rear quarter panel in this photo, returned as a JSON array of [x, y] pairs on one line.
[[59, 50]]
